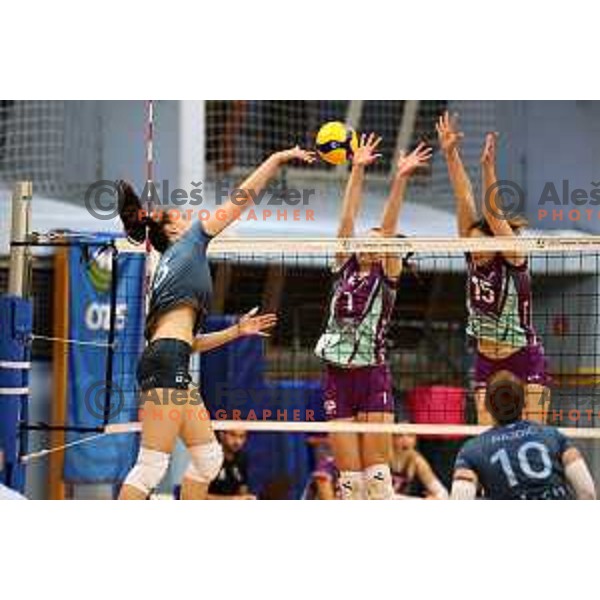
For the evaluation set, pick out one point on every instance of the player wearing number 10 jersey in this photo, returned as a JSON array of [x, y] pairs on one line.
[[520, 459]]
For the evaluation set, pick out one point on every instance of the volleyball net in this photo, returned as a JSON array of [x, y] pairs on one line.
[[273, 386]]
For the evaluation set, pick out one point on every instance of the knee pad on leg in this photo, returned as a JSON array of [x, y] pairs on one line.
[[352, 485], [149, 470], [379, 482], [206, 462]]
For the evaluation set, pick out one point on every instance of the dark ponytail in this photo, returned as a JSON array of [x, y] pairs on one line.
[[156, 234], [136, 225]]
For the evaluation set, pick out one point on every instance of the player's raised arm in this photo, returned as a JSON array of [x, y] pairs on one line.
[[406, 166], [449, 138], [252, 187], [578, 475], [364, 155], [492, 209]]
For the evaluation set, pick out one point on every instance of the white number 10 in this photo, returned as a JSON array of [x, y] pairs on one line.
[[501, 456]]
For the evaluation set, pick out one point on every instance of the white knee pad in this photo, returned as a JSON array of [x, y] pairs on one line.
[[352, 485], [379, 482], [206, 462], [149, 470]]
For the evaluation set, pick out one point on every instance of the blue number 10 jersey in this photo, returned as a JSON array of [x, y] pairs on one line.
[[520, 461]]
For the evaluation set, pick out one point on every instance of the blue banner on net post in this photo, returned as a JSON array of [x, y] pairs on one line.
[[108, 458]]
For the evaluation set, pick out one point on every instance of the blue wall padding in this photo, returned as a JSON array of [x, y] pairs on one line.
[[232, 376], [279, 463], [15, 329], [233, 386]]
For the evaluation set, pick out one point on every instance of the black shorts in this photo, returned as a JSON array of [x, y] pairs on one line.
[[165, 363]]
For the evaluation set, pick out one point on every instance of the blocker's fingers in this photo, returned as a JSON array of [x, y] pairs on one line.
[[252, 311], [376, 142], [267, 322], [263, 334]]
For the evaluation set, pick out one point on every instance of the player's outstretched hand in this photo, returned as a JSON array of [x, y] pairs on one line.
[[365, 154], [488, 156], [253, 324], [448, 134], [409, 163], [296, 153]]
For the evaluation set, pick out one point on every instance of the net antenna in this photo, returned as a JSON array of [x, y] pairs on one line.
[[149, 144]]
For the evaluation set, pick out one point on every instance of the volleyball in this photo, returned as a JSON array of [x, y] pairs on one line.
[[336, 142]]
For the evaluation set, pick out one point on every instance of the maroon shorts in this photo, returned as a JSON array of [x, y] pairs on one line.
[[348, 392], [528, 364]]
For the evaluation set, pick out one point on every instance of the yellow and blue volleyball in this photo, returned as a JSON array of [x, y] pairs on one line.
[[336, 142]]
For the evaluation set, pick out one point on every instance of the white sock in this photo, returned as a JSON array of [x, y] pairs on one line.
[[379, 482], [352, 485]]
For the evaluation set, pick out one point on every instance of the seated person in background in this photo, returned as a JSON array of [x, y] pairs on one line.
[[232, 481], [324, 478], [411, 474]]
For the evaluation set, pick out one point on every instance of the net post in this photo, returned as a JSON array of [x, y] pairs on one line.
[[20, 228], [15, 351]]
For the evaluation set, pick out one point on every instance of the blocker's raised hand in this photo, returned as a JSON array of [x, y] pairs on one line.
[[409, 163], [448, 134], [488, 156], [365, 154]]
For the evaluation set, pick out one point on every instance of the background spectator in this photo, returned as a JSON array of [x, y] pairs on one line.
[[411, 474], [232, 481]]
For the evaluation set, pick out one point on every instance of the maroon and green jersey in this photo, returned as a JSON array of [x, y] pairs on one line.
[[359, 314], [499, 302]]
